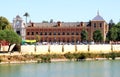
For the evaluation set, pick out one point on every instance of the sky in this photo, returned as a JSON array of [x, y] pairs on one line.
[[61, 10]]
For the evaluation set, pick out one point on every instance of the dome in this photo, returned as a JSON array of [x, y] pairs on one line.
[[18, 16], [98, 18]]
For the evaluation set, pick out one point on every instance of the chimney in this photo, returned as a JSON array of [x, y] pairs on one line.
[[32, 24], [59, 23], [81, 23]]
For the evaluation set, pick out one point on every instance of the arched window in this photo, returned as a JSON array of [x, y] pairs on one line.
[[50, 33], [77, 33], [94, 25], [67, 33], [28, 33], [54, 33], [36, 32], [58, 33], [63, 33], [41, 33], [45, 33], [100, 25], [32, 33], [72, 33]]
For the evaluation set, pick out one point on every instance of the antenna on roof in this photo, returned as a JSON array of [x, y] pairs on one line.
[[98, 12]]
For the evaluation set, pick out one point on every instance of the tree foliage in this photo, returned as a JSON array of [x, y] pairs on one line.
[[4, 24], [7, 34], [10, 36], [37, 38], [97, 36], [114, 33], [84, 35], [111, 24]]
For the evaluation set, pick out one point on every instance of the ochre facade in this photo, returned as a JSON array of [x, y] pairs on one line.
[[66, 32], [62, 31]]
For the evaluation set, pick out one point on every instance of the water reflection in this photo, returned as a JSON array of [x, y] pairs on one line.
[[62, 69]]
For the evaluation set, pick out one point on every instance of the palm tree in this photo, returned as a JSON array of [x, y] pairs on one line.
[[26, 15]]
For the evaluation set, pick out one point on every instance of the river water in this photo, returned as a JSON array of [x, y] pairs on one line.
[[105, 68]]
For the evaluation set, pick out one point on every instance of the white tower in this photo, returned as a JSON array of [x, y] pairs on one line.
[[19, 27]]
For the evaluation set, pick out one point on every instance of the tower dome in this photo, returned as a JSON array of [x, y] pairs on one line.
[[98, 18]]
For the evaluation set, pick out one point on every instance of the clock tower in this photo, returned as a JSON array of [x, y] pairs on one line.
[[19, 26]]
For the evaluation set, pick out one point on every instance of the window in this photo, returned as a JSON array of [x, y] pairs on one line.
[[72, 33], [18, 32], [36, 32], [94, 25], [58, 33], [54, 33], [63, 33], [50, 33], [77, 33], [45, 33], [28, 33], [32, 33], [67, 33], [41, 33], [100, 25]]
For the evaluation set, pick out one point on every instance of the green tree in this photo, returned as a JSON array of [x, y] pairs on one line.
[[84, 35], [37, 38], [4, 24], [10, 36], [118, 31], [111, 24], [97, 36], [26, 15], [112, 34], [2, 35]]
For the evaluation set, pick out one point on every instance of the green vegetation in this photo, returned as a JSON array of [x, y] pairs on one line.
[[84, 35], [114, 32], [7, 34], [4, 24], [46, 58], [69, 56], [113, 55], [97, 36], [10, 36]]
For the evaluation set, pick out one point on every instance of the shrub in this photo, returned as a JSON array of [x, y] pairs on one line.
[[81, 56], [56, 56], [69, 56], [107, 55], [112, 55], [45, 58]]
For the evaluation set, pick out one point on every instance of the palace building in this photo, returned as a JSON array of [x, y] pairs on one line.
[[59, 31]]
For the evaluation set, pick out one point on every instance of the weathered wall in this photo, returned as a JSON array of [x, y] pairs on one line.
[[100, 48], [42, 49], [82, 48], [61, 49], [56, 49]]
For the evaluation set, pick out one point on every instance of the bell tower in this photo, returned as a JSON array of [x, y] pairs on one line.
[[98, 23], [19, 26]]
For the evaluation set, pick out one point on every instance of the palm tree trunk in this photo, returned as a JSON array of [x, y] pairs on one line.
[[26, 19]]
